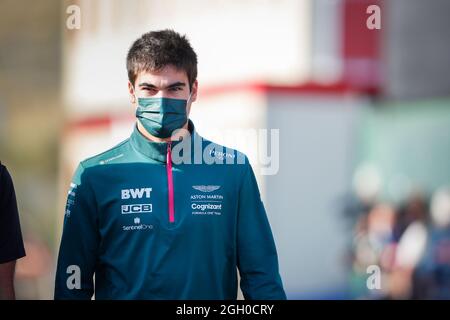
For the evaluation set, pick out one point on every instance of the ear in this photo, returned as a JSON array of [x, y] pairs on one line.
[[131, 93], [194, 91]]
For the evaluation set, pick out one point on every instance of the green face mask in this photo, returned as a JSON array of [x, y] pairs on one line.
[[161, 116]]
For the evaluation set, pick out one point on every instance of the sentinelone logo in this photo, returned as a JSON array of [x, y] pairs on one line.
[[137, 226]]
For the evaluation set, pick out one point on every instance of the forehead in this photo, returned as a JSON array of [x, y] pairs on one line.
[[164, 76]]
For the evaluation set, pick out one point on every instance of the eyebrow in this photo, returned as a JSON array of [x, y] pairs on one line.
[[172, 85]]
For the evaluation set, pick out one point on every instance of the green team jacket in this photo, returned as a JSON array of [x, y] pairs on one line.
[[150, 227]]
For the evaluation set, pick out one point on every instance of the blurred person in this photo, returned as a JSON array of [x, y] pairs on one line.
[[11, 243], [414, 209], [151, 228], [377, 244], [407, 247], [361, 256], [372, 245], [432, 276], [409, 251]]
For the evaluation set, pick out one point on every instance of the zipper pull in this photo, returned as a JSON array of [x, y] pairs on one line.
[[170, 183], [169, 153]]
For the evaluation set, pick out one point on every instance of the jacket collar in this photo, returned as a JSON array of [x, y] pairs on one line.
[[158, 150]]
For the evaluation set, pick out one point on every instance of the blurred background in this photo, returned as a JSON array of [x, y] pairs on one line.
[[363, 117]]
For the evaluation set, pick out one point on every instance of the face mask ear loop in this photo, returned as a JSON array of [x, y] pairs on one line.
[[135, 97], [190, 95]]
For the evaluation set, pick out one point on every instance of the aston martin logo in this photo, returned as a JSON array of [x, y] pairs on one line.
[[206, 188]]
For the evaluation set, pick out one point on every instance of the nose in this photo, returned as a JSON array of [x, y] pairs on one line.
[[164, 93], [160, 94]]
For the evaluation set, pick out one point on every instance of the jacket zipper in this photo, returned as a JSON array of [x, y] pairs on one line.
[[170, 182]]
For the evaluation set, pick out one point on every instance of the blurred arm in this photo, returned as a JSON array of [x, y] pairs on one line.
[[11, 243], [7, 280], [78, 250], [257, 255]]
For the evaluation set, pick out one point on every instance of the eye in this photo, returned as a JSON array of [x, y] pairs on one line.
[[175, 89], [149, 90]]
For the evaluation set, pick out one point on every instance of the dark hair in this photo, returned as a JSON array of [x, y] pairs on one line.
[[156, 49]]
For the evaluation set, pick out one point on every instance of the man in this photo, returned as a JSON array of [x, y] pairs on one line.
[[11, 243], [148, 219]]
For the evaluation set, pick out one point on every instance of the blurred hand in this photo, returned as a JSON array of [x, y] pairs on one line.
[[7, 280]]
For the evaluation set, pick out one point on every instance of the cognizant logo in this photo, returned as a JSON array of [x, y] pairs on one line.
[[206, 206]]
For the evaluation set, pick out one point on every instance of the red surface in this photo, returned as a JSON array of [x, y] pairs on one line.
[[361, 47]]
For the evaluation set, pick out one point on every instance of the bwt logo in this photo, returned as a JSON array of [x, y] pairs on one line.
[[135, 193], [136, 208]]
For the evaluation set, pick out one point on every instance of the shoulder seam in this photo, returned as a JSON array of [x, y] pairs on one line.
[[110, 149]]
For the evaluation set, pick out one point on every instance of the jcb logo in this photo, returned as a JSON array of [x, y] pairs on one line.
[[136, 193], [136, 208]]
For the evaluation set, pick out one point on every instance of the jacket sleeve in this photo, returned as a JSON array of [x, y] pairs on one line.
[[11, 242], [256, 252], [79, 243]]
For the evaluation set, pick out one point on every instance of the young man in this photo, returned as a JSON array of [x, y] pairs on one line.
[[148, 218], [11, 243]]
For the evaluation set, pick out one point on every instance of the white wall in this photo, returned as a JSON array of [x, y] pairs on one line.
[[303, 200], [236, 41]]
